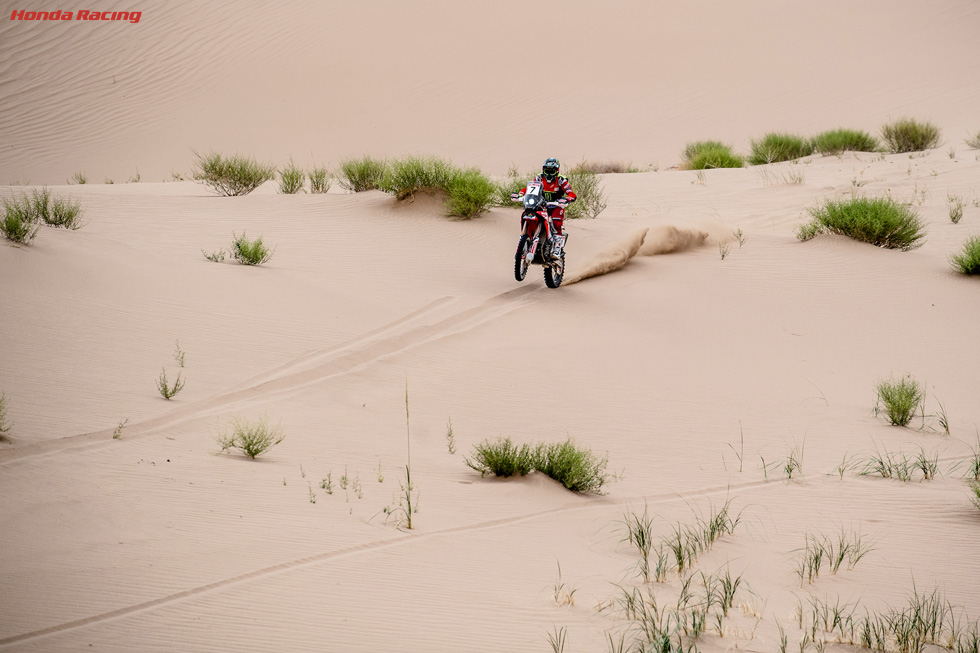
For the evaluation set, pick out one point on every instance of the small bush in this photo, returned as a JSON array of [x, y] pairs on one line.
[[470, 194], [809, 230], [579, 470], [974, 142], [319, 180], [65, 214], [166, 390], [591, 198], [514, 182], [880, 221], [363, 174], [251, 438], [908, 135], [900, 399], [237, 175], [291, 179], [502, 458], [837, 141], [975, 499], [250, 252], [968, 261], [775, 147], [78, 178], [711, 154], [405, 177], [18, 224]]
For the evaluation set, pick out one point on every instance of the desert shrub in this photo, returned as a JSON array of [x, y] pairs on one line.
[[65, 213], [291, 179], [604, 167], [900, 399], [502, 458], [591, 198], [968, 261], [775, 147], [362, 174], [319, 180], [405, 177], [974, 141], [250, 252], [836, 141], [579, 470], [809, 230], [880, 221], [166, 390], [908, 135], [470, 194], [78, 178], [251, 438], [236, 175], [19, 223], [975, 488], [513, 183], [710, 154]]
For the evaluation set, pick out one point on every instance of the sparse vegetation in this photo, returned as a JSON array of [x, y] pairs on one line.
[[470, 194], [908, 135], [251, 438], [231, 176], [818, 550], [955, 205], [23, 215], [18, 225], [450, 438], [975, 499], [837, 141], [291, 179], [776, 147], [591, 197], [358, 175], [710, 154], [320, 181], [250, 252], [117, 432], [880, 221], [78, 178], [216, 256], [168, 391], [968, 261], [514, 182], [579, 470], [900, 399], [405, 177], [65, 213], [639, 534], [604, 167], [973, 142], [5, 426]]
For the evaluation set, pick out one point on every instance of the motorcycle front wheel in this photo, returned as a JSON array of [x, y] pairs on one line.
[[555, 273], [520, 258]]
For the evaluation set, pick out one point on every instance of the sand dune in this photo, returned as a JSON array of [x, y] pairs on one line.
[[698, 376]]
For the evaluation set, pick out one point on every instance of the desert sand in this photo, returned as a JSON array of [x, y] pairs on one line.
[[698, 375]]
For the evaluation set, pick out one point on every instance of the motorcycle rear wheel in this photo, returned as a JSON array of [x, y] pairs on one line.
[[520, 258], [554, 274]]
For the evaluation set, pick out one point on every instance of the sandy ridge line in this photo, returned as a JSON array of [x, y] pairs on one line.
[[298, 375], [367, 548]]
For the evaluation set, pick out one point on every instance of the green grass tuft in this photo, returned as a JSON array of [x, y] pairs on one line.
[[319, 180], [358, 175], [837, 141], [470, 194], [880, 221], [250, 252], [908, 135], [710, 154], [405, 177], [591, 197], [251, 438], [236, 175], [18, 224], [968, 261], [291, 179], [502, 458], [776, 147], [604, 167], [900, 399]]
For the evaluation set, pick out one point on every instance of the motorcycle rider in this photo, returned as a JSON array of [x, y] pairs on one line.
[[556, 189]]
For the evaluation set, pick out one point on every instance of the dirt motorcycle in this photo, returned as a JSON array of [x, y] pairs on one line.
[[539, 240]]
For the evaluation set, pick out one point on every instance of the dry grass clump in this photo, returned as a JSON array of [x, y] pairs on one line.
[[231, 176], [320, 180], [5, 426], [880, 221], [908, 135], [591, 196], [251, 438], [775, 147], [22, 216], [968, 261], [837, 141], [974, 142], [703, 155], [604, 167]]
